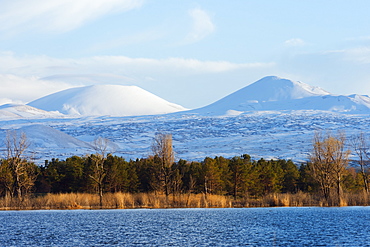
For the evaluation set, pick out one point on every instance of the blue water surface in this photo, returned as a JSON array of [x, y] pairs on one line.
[[346, 226]]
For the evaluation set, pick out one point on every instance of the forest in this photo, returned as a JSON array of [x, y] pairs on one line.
[[104, 180]]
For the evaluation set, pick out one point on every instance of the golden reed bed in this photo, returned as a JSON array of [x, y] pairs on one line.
[[151, 200]]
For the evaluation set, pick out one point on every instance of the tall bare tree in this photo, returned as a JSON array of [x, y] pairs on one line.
[[329, 160], [22, 173], [100, 146], [162, 147], [361, 147]]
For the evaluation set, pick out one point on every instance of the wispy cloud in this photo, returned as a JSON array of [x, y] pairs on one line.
[[355, 55], [22, 89], [341, 71], [26, 78], [202, 26], [57, 15], [359, 38], [358, 54], [140, 37], [43, 66], [295, 42]]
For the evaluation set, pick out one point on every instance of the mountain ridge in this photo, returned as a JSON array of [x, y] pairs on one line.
[[270, 93]]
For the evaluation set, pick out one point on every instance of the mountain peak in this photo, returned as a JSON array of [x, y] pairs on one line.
[[272, 93], [273, 88], [115, 100]]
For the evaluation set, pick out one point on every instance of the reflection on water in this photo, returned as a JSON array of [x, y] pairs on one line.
[[348, 226]]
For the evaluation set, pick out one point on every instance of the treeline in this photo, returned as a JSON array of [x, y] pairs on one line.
[[237, 177], [326, 175]]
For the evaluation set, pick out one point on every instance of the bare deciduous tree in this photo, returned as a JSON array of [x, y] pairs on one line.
[[162, 147], [362, 149], [22, 173], [100, 146], [329, 161]]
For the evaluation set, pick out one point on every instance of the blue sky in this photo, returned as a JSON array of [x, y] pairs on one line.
[[187, 52]]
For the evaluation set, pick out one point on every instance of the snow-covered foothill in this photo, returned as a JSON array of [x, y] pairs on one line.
[[19, 111], [99, 100], [42, 136]]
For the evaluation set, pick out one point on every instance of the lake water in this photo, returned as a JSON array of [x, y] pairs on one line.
[[347, 226]]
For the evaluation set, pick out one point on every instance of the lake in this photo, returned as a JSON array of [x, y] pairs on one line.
[[303, 226]]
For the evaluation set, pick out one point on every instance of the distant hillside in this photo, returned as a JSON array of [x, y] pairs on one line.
[[276, 94], [15, 111], [114, 100], [42, 136]]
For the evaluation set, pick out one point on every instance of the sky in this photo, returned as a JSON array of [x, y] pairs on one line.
[[192, 53]]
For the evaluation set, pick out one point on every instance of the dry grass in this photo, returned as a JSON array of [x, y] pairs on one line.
[[115, 201], [299, 199], [153, 200], [302, 199], [358, 199]]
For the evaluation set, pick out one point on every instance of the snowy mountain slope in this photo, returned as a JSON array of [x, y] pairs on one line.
[[260, 134], [41, 136], [46, 142], [10, 111], [101, 100], [275, 94]]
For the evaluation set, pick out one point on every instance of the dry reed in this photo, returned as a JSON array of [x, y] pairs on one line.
[[121, 200]]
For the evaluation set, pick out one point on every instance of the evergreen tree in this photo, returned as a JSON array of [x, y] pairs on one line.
[[291, 176], [240, 169]]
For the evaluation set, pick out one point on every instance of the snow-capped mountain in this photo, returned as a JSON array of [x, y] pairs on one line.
[[276, 94], [271, 118], [101, 100]]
